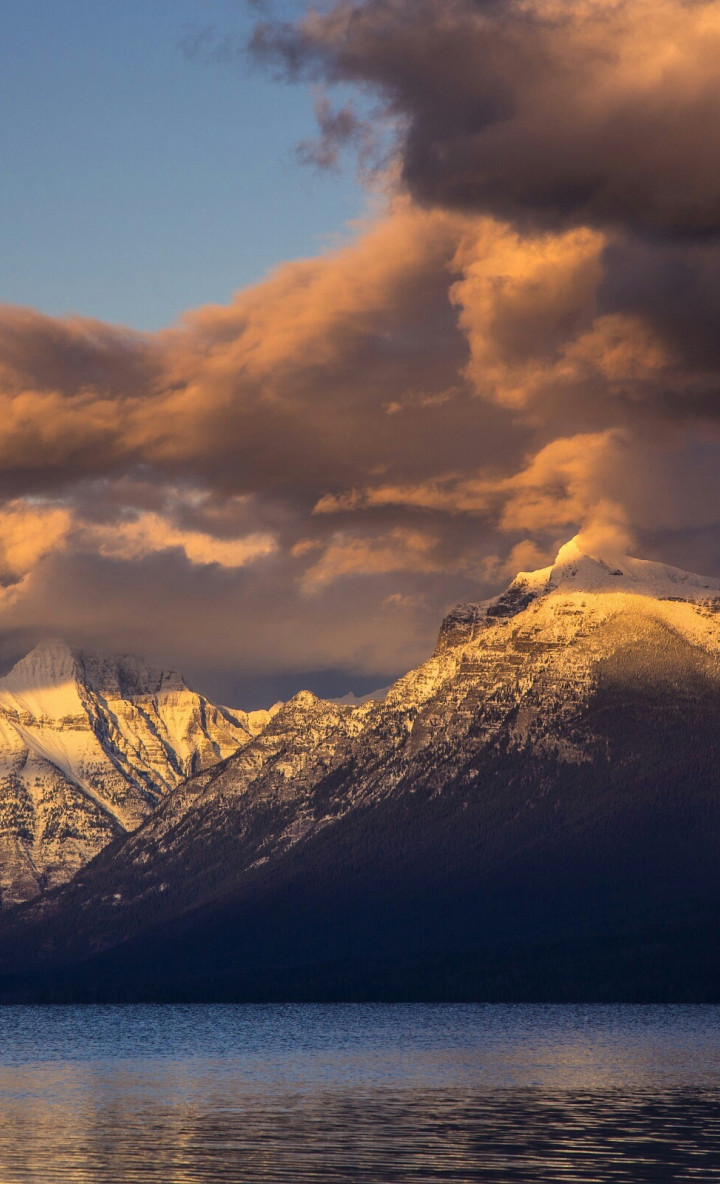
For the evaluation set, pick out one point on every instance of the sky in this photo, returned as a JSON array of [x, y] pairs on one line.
[[320, 320], [138, 181]]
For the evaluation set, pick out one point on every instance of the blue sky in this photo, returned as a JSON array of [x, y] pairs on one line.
[[138, 183]]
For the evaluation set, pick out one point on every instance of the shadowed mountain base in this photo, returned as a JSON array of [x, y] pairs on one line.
[[545, 827]]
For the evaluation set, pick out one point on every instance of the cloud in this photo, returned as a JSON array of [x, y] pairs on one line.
[[521, 343], [294, 371], [567, 481], [401, 550], [562, 484], [29, 532], [521, 301], [149, 533], [339, 127], [589, 113], [257, 492]]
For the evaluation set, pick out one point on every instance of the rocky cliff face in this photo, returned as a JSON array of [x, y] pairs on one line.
[[513, 675], [552, 769], [89, 744]]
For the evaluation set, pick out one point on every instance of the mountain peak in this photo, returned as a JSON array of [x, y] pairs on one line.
[[54, 668], [576, 570], [89, 743], [570, 552], [50, 663]]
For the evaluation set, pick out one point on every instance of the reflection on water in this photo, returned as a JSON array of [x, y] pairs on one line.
[[364, 1094]]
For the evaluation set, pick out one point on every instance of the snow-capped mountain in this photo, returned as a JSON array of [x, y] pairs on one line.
[[550, 775], [89, 744], [576, 572]]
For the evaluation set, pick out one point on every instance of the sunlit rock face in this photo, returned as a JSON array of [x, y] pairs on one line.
[[525, 667], [89, 744], [563, 737]]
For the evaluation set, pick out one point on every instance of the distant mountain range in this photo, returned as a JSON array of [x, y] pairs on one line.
[[89, 744], [534, 813]]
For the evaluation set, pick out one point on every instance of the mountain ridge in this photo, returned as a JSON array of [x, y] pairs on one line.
[[576, 570], [89, 744], [548, 780]]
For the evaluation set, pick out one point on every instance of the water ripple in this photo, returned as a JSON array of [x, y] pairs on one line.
[[359, 1095]]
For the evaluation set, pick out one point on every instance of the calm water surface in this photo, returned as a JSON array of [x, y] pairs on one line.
[[359, 1094]]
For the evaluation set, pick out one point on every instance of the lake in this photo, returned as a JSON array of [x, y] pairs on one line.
[[359, 1093]]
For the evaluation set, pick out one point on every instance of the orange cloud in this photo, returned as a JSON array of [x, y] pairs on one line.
[[403, 420], [520, 301], [29, 532], [561, 485], [150, 533], [401, 550]]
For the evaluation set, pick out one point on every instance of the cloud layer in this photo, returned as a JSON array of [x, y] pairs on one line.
[[521, 343], [587, 112]]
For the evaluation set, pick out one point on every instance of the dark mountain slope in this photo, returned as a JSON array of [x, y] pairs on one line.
[[534, 814]]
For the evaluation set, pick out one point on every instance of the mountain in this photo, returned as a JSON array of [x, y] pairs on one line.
[[89, 744], [533, 813]]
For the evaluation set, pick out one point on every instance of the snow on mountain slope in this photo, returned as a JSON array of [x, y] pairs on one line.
[[582, 693], [88, 745], [515, 674], [535, 653], [575, 572]]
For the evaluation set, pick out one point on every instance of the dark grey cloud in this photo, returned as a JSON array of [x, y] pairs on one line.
[[676, 287], [339, 127], [547, 113]]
